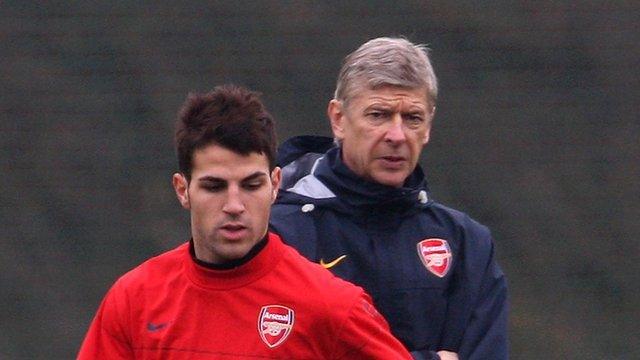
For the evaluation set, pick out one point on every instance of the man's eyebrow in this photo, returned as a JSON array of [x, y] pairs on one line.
[[255, 175], [210, 178], [379, 104]]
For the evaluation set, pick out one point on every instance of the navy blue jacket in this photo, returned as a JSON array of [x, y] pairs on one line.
[[431, 270]]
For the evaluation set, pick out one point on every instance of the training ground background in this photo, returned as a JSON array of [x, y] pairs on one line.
[[536, 135]]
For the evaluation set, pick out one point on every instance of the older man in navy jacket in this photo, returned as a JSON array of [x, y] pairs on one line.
[[359, 205]]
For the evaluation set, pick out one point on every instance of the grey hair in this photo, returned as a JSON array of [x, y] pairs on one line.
[[387, 61]]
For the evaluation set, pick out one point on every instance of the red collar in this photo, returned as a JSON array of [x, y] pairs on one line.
[[237, 277]]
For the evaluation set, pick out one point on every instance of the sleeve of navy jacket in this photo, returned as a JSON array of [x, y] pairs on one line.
[[430, 270]]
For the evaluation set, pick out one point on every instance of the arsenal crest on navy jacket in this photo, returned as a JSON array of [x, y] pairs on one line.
[[431, 270]]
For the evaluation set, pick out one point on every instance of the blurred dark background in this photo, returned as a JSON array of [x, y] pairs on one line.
[[536, 135]]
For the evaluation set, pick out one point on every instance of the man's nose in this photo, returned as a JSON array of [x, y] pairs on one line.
[[395, 131], [233, 204]]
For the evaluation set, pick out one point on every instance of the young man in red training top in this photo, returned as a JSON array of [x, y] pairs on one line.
[[234, 291]]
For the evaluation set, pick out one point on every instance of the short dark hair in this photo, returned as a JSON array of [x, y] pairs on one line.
[[230, 116]]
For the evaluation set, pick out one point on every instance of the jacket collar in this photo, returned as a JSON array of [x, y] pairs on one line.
[[357, 191], [326, 176]]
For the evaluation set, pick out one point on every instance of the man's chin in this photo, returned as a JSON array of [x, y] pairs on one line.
[[393, 179], [235, 251]]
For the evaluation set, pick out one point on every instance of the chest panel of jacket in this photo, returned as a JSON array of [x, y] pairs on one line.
[[384, 259]]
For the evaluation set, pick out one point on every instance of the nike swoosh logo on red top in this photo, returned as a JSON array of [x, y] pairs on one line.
[[155, 327]]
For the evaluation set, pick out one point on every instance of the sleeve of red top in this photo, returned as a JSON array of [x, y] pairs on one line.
[[365, 334], [108, 336]]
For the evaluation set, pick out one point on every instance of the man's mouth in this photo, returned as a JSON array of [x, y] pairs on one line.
[[233, 226], [233, 230], [393, 158], [393, 161]]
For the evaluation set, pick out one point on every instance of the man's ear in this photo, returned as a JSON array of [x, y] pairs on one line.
[[276, 177], [427, 135], [335, 112], [181, 186]]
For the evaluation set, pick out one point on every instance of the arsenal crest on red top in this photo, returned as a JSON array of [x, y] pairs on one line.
[[274, 324], [435, 254]]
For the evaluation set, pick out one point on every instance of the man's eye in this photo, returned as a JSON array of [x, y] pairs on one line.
[[213, 187], [253, 185], [414, 119], [376, 115]]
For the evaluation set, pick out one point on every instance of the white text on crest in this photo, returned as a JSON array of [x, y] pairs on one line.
[[434, 248], [279, 317]]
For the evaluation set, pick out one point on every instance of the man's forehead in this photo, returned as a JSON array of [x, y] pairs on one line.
[[214, 158], [242, 171], [211, 176], [393, 94]]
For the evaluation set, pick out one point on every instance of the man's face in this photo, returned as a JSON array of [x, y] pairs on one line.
[[382, 132], [230, 197]]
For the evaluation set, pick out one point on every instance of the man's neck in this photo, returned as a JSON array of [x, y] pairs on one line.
[[233, 263]]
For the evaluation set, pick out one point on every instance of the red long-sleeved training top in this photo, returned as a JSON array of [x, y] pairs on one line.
[[276, 306]]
